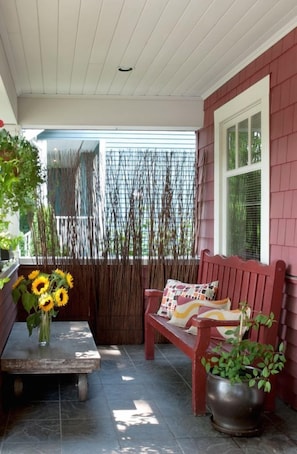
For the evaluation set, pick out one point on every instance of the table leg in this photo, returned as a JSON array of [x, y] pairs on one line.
[[18, 386], [82, 387]]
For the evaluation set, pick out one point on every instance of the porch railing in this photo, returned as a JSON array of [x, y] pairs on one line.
[[74, 235]]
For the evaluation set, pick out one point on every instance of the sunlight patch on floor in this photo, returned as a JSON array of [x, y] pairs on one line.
[[112, 351], [127, 378], [142, 414]]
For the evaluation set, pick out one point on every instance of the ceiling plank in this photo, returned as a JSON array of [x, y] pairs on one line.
[[178, 48]]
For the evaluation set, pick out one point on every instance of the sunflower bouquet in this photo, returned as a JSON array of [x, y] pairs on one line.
[[42, 294]]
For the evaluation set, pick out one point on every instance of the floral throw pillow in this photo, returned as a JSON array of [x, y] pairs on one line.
[[175, 289]]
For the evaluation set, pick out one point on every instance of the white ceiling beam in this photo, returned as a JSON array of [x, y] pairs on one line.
[[110, 112], [8, 97]]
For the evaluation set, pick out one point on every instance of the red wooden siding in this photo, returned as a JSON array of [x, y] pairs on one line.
[[280, 61], [8, 310]]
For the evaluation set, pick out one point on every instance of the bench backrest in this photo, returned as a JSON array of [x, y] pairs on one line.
[[260, 285]]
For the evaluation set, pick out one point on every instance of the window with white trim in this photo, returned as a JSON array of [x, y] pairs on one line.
[[242, 174]]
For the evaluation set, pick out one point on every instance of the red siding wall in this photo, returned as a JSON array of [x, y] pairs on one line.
[[8, 311], [280, 61]]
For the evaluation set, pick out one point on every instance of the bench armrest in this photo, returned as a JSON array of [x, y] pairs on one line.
[[210, 322], [204, 340], [152, 300]]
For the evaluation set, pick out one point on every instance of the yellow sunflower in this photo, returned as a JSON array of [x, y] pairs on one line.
[[60, 272], [40, 285], [18, 281], [69, 280], [61, 297], [46, 302], [33, 275]]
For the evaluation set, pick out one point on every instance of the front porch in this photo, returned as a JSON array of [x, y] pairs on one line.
[[134, 406]]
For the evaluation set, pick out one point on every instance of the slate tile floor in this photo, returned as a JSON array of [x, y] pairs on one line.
[[134, 406]]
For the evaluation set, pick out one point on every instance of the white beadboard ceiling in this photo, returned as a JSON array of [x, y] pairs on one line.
[[177, 48]]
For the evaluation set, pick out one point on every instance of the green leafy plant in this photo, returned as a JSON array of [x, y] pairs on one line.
[[247, 360], [20, 175], [21, 172]]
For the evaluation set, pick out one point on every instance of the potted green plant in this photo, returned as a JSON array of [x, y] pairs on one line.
[[240, 371], [20, 175]]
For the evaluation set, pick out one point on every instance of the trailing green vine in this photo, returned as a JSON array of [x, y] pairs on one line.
[[20, 175]]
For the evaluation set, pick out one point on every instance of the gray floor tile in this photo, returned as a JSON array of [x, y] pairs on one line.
[[150, 447], [277, 443], [35, 410], [208, 445], [32, 431], [85, 430], [103, 446], [34, 448]]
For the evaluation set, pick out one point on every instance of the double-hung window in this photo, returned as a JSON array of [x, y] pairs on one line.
[[242, 174]]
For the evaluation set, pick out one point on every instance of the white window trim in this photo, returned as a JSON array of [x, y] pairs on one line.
[[255, 96]]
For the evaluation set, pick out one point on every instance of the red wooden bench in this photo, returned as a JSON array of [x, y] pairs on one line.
[[258, 284]]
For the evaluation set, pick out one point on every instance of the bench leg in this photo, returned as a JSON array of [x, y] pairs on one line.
[[82, 387], [18, 386], [198, 388], [149, 341]]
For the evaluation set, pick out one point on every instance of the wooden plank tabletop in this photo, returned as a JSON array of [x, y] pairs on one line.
[[71, 350]]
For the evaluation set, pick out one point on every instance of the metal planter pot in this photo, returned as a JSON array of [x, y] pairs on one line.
[[236, 408]]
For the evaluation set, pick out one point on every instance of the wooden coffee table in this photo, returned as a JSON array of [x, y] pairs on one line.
[[72, 350]]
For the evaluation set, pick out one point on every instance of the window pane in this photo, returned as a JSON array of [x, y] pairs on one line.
[[231, 149], [243, 144], [244, 215], [256, 144]]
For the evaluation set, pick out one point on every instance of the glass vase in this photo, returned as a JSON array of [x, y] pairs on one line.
[[44, 329]]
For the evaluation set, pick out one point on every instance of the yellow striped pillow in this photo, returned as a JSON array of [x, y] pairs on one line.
[[219, 332], [183, 313]]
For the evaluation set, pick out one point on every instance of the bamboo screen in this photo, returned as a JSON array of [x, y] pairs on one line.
[[120, 221]]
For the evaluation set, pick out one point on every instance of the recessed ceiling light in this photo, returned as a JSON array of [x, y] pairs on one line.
[[125, 69]]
